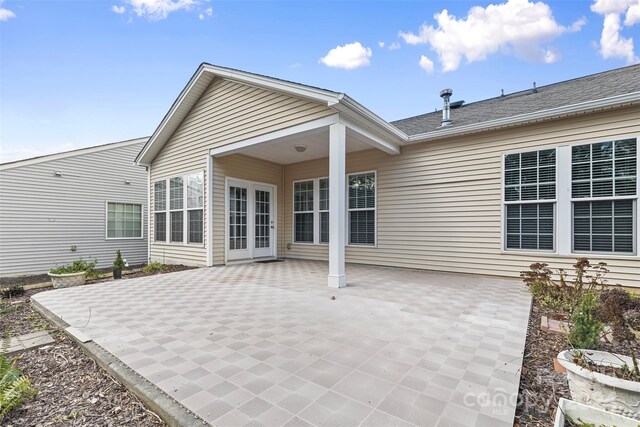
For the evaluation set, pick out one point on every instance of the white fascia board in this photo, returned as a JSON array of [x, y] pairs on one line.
[[141, 158], [72, 153], [316, 94], [348, 104], [375, 141], [235, 147], [567, 110]]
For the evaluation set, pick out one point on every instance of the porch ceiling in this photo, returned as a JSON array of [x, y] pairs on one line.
[[283, 151]]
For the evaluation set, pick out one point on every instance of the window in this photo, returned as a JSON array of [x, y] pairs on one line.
[[303, 211], [529, 198], [362, 208], [185, 209], [604, 194], [176, 199], [160, 208], [124, 221], [324, 209], [195, 204]]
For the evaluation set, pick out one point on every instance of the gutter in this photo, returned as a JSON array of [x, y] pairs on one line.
[[598, 104], [356, 107]]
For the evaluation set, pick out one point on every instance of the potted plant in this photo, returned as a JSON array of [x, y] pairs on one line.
[[571, 413], [72, 274], [602, 379], [118, 265]]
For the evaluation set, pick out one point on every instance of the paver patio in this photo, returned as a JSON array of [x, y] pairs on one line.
[[265, 344]]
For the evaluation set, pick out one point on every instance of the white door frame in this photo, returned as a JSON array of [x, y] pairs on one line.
[[251, 186]]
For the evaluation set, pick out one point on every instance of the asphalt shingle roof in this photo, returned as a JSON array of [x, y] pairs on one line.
[[589, 88]]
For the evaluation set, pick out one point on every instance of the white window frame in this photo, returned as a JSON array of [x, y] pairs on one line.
[[186, 222], [106, 220], [320, 211], [563, 212], [184, 210], [165, 211], [316, 216], [374, 209], [523, 202], [612, 198]]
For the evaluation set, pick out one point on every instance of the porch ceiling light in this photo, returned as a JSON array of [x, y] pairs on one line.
[[300, 148]]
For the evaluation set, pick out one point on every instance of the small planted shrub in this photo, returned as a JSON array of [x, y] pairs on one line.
[[118, 265], [155, 267], [14, 387], [585, 330], [77, 266]]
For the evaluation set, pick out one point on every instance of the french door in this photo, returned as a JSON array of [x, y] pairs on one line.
[[250, 220]]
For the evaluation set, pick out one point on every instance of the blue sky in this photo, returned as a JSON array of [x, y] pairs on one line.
[[81, 73]]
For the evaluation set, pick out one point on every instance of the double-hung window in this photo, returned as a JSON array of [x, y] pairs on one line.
[[530, 199], [179, 209], [362, 208], [160, 211], [323, 208], [603, 196], [124, 220], [303, 211]]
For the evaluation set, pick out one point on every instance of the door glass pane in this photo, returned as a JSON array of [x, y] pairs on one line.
[[262, 219], [237, 218]]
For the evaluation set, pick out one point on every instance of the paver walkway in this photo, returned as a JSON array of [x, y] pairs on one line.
[[25, 342], [265, 344]]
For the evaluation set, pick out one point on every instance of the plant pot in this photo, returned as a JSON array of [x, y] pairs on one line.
[[117, 273], [588, 415], [69, 279], [621, 397]]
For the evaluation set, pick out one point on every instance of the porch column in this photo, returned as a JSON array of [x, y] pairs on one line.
[[337, 205]]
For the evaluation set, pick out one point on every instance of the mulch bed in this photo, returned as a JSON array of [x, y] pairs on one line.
[[72, 389]]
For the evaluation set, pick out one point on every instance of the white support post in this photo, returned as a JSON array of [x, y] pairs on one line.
[[337, 205], [209, 211], [563, 197]]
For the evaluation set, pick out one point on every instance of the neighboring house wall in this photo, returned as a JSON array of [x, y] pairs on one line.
[[439, 203], [42, 215], [227, 112]]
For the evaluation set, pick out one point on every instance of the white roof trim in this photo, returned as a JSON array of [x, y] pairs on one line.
[[567, 110], [72, 153]]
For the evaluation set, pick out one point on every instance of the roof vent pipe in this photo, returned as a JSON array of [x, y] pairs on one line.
[[445, 94]]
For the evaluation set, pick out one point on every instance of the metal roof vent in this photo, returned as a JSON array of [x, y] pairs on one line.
[[445, 94]]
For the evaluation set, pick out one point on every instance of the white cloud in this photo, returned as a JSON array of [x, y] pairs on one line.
[[517, 26], [207, 13], [118, 9], [5, 14], [349, 57], [381, 44], [613, 44], [157, 9], [426, 64], [295, 65], [394, 46]]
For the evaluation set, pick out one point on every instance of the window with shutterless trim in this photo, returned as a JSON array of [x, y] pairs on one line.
[[124, 220], [179, 209], [604, 196], [530, 200], [362, 208], [303, 211], [323, 208]]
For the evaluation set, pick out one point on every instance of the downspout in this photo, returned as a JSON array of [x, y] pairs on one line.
[[282, 245]]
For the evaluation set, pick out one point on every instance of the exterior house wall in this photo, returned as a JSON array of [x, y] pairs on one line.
[[439, 203], [42, 215], [227, 112]]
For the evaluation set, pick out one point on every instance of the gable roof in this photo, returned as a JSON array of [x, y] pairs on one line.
[[71, 153], [205, 74], [582, 90]]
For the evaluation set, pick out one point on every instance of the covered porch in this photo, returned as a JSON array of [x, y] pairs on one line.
[[255, 194]]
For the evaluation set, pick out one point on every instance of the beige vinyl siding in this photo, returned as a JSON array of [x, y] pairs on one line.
[[250, 169], [227, 112], [42, 216], [439, 203]]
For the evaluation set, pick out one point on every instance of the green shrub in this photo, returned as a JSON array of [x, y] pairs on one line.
[[77, 266], [118, 264], [12, 291], [14, 387], [155, 267], [585, 330]]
